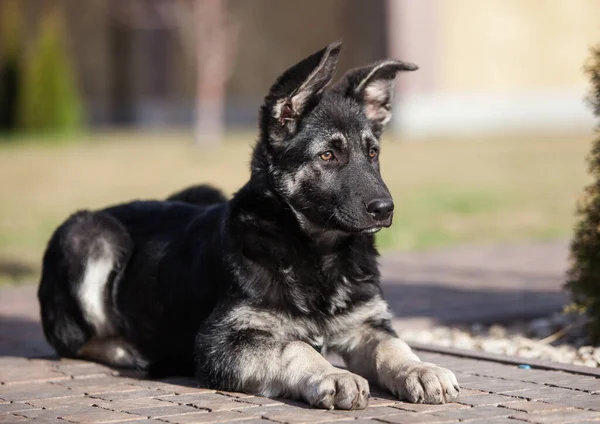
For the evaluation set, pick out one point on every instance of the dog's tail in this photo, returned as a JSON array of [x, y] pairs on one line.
[[199, 195]]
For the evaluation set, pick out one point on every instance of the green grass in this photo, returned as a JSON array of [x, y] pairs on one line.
[[446, 191]]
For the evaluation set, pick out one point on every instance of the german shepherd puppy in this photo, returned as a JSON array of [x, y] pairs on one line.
[[247, 293]]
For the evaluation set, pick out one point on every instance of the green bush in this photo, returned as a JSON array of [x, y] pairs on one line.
[[9, 65], [49, 100], [583, 277]]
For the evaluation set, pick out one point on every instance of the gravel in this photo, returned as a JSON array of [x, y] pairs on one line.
[[558, 338]]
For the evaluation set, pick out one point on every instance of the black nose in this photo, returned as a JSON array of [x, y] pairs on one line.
[[380, 209]]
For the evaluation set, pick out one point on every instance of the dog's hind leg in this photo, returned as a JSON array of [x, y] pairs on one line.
[[83, 262], [113, 351], [199, 195]]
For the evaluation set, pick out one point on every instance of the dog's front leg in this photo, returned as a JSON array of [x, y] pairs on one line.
[[376, 353], [292, 369]]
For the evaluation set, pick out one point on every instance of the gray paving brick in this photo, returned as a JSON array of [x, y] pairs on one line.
[[43, 414], [209, 401], [205, 417], [63, 402], [124, 405], [10, 419], [477, 412], [564, 416], [15, 407], [546, 393], [163, 411], [296, 415], [421, 407], [533, 406], [25, 392], [135, 394], [97, 415], [378, 412], [582, 401], [485, 399], [404, 417], [583, 383]]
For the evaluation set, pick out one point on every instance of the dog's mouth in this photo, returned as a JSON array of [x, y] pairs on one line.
[[371, 230]]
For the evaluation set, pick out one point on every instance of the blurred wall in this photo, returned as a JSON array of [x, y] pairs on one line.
[[485, 66], [134, 67], [495, 65]]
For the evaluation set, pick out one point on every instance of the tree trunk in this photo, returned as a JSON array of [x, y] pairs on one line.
[[212, 57]]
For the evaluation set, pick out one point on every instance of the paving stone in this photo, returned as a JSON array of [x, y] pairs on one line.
[[95, 386], [583, 383], [495, 385], [546, 393], [261, 401], [422, 407], [377, 401], [582, 401], [497, 420], [30, 374], [209, 401], [135, 394], [534, 406], [33, 391], [471, 392], [83, 369], [564, 416], [43, 414], [265, 421], [290, 414], [15, 407], [168, 409], [53, 403], [125, 405], [485, 399], [206, 417], [477, 412], [10, 419], [378, 412], [405, 417], [237, 395], [98, 415]]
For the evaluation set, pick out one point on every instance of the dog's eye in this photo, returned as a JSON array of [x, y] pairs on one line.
[[372, 153], [327, 156]]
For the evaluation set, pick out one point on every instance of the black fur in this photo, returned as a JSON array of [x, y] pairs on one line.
[[294, 239]]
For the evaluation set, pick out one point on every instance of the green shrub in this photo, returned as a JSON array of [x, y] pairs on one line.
[[9, 64], [49, 100], [583, 277]]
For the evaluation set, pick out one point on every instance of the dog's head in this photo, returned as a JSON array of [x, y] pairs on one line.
[[320, 146]]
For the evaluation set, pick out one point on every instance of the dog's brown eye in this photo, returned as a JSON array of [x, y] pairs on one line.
[[372, 153], [326, 156]]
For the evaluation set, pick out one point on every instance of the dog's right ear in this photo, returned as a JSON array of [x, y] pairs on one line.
[[296, 91]]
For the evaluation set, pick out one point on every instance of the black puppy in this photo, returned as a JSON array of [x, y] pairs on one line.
[[246, 293]]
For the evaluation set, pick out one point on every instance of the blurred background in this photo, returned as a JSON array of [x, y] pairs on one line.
[[104, 101]]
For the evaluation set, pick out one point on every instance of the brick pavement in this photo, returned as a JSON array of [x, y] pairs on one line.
[[52, 390], [36, 386]]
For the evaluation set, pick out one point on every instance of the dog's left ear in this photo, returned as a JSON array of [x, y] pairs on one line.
[[295, 91], [373, 87]]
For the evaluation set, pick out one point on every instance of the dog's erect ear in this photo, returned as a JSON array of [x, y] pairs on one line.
[[373, 87], [296, 91]]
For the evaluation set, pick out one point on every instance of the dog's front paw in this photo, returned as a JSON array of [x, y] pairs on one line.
[[339, 390], [424, 382]]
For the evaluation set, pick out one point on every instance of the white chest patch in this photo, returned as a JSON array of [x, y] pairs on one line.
[[92, 293]]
